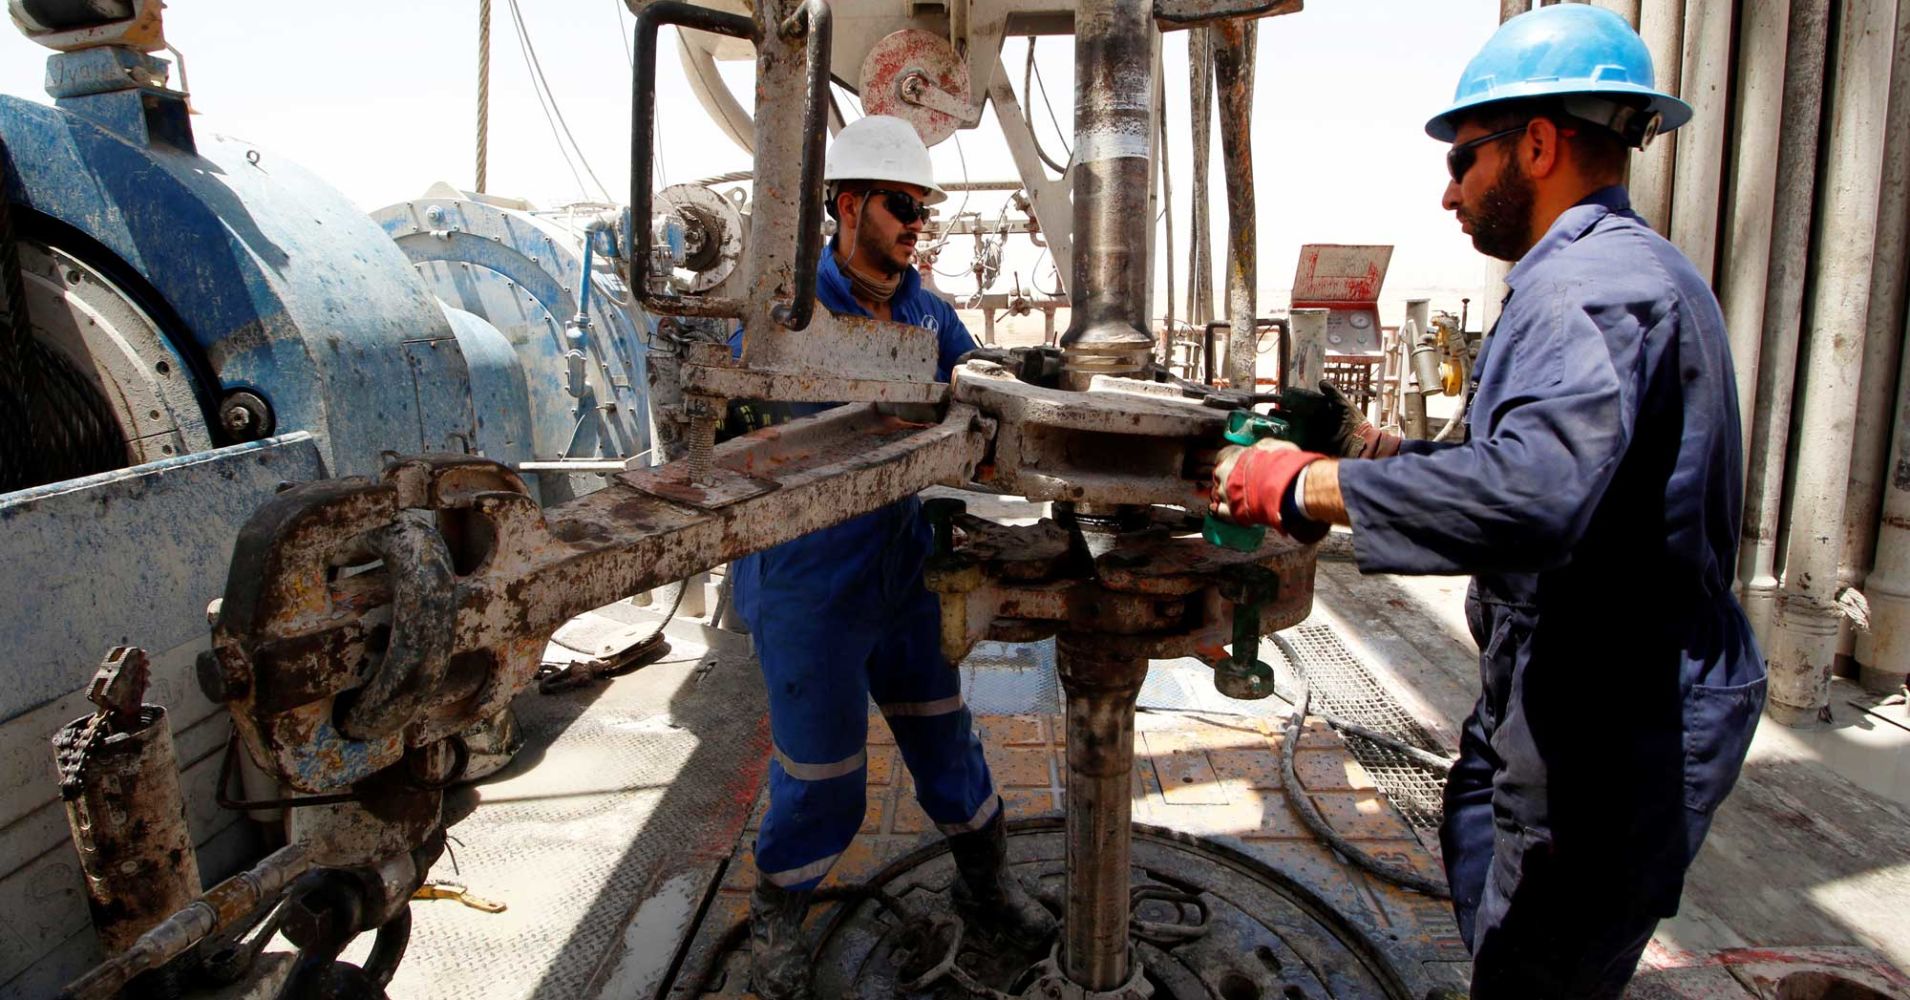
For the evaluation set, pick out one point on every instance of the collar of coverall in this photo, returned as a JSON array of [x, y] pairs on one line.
[[1569, 226], [836, 294]]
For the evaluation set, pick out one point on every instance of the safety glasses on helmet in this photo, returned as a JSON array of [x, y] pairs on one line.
[[1462, 155], [906, 207]]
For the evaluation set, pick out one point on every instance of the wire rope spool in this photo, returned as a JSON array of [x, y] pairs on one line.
[[713, 234], [917, 76]]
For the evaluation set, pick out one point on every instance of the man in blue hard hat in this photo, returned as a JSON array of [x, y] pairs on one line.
[[841, 615], [1595, 502]]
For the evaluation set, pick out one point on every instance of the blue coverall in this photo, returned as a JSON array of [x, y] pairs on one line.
[[1595, 503], [839, 616]]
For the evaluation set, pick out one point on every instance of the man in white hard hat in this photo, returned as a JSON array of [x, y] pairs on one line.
[[841, 615]]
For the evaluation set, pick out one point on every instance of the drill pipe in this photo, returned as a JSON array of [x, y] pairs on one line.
[[1113, 94], [1101, 684]]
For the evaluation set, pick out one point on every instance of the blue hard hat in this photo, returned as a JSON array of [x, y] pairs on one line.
[[1586, 54]]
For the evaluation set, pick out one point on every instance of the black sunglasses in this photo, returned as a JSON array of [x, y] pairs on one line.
[[1461, 157], [906, 207]]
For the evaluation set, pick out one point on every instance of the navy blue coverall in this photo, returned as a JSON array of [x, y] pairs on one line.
[[1595, 503], [840, 616]]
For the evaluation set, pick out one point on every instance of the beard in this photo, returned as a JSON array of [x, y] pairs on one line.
[[1502, 227], [883, 253]]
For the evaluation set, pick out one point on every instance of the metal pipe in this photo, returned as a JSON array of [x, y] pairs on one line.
[[219, 907], [1200, 267], [1757, 119], [1883, 345], [1883, 653], [643, 123], [128, 819], [1492, 301], [1627, 9], [1167, 215], [1307, 355], [1101, 685], [1698, 172], [1412, 403], [813, 21], [1783, 306], [1661, 24], [1107, 333], [1803, 643], [1233, 78]]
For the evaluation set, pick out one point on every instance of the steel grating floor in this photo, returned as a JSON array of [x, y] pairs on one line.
[[1013, 679], [1343, 687]]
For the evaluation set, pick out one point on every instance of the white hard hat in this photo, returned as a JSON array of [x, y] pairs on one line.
[[881, 148]]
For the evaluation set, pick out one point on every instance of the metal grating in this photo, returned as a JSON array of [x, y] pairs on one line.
[[1343, 687]]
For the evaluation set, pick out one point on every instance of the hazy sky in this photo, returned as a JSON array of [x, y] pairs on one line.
[[380, 99]]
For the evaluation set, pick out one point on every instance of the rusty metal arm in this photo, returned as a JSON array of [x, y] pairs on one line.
[[290, 626], [643, 126], [220, 907]]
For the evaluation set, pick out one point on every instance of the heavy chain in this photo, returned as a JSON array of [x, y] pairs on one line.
[[71, 746]]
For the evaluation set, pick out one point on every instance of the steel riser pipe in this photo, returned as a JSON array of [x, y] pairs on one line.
[[1770, 417], [1804, 637], [1233, 75], [1883, 346], [1883, 654], [1113, 92], [1101, 687], [1747, 240]]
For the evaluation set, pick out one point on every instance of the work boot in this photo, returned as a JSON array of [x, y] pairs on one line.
[[778, 953], [988, 893]]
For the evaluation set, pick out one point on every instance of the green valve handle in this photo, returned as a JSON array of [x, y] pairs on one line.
[[1244, 427]]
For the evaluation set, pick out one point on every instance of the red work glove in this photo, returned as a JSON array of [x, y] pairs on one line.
[[1254, 486]]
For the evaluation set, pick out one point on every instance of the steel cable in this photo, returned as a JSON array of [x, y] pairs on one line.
[[54, 424], [483, 92]]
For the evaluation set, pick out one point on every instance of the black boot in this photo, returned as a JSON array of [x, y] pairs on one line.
[[778, 952], [989, 894]]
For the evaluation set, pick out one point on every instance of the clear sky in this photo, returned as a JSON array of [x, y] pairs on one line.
[[380, 99]]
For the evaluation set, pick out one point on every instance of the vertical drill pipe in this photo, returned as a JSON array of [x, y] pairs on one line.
[[1883, 346], [1494, 290], [1745, 270], [1698, 173], [1807, 619], [1770, 417], [1233, 72], [129, 825], [1200, 274], [643, 127], [1113, 99], [1167, 215], [1883, 653], [1662, 25], [1100, 685]]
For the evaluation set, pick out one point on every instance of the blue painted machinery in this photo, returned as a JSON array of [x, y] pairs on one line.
[[223, 323]]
